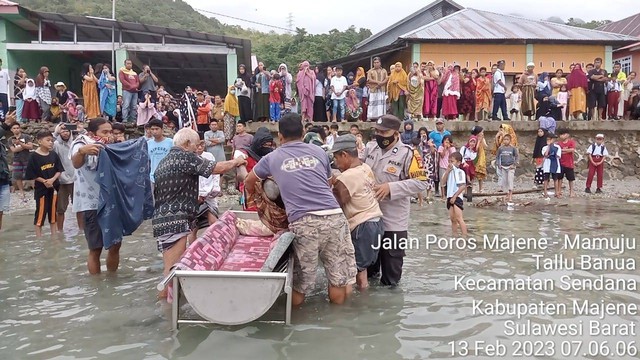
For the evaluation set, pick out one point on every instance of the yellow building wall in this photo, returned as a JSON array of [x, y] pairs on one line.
[[549, 57], [474, 56]]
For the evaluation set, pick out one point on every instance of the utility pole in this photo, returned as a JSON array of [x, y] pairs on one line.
[[290, 22]]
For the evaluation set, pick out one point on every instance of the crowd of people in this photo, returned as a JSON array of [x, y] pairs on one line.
[[364, 189]]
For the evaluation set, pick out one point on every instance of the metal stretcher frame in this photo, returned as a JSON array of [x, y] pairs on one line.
[[231, 297]]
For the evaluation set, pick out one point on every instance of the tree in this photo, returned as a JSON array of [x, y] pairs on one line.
[[593, 24], [271, 48]]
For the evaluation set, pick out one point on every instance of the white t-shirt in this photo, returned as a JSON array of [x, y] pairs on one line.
[[468, 154], [497, 88], [319, 88], [4, 82], [339, 84], [86, 190], [455, 179], [597, 150]]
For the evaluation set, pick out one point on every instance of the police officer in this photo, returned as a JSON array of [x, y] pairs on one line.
[[390, 161]]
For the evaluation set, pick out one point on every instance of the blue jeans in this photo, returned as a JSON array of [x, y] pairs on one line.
[[338, 104], [274, 111], [129, 106], [499, 102], [5, 197], [19, 107]]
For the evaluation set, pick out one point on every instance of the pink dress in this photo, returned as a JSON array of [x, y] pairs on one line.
[[563, 99]]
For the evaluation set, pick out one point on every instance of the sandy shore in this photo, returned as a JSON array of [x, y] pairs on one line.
[[613, 189]]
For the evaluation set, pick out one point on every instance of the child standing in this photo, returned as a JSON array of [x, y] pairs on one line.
[[469, 154], [551, 165], [275, 89], [456, 186], [563, 100], [506, 161], [45, 168], [515, 98], [444, 151], [596, 152]]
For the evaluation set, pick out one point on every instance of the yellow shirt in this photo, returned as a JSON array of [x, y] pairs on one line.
[[363, 205]]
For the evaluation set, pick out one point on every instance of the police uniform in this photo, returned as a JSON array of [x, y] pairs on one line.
[[391, 165]]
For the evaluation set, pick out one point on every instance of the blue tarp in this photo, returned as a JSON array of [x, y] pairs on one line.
[[125, 189]]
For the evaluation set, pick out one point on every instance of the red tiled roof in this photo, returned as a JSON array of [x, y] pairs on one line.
[[627, 26]]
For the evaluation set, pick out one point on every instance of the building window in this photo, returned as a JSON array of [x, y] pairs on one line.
[[625, 63]]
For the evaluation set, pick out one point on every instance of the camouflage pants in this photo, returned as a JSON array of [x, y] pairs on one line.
[[326, 238]]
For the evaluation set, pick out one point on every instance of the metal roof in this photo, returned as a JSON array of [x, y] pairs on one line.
[[471, 24], [626, 26], [138, 27], [424, 16]]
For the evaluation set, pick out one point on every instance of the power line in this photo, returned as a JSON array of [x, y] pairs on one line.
[[290, 22], [244, 20]]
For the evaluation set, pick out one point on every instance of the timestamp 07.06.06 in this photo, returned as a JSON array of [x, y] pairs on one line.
[[531, 348]]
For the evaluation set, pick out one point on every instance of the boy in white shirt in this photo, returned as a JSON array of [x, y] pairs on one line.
[[456, 185], [596, 153], [339, 88]]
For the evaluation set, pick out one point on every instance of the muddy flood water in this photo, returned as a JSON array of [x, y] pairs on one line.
[[505, 299]]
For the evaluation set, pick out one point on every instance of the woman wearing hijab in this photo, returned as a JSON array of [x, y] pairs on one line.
[[538, 156], [415, 100], [577, 86], [481, 159], [287, 79], [557, 82], [90, 92], [319, 113], [469, 156], [431, 80], [429, 159], [262, 93], [231, 112], [30, 109], [543, 87], [43, 91], [243, 83], [451, 92], [353, 109], [108, 96], [397, 90], [359, 82], [468, 109], [306, 84]]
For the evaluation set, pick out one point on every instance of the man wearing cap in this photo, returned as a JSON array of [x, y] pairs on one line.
[[499, 89], [302, 172], [353, 189], [390, 161], [439, 133], [528, 83]]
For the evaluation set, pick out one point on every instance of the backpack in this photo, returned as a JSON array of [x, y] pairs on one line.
[[592, 149]]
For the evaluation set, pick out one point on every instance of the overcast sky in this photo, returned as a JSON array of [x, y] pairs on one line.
[[373, 14]]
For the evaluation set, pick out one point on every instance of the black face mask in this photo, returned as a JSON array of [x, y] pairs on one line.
[[384, 142], [263, 151]]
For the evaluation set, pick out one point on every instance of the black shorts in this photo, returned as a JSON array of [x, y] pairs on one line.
[[553, 176], [46, 207], [92, 231], [599, 98], [364, 237], [567, 172], [457, 203]]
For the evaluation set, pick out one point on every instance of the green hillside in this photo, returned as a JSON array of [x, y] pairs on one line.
[[270, 47]]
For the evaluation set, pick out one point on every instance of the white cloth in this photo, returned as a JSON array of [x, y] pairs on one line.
[[377, 105], [4, 82], [597, 150], [86, 190], [546, 165], [468, 154], [319, 88], [29, 90], [208, 186]]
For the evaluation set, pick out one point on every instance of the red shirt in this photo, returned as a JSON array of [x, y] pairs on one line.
[[566, 159], [275, 88]]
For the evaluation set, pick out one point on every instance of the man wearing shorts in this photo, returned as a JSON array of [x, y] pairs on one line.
[[302, 172], [568, 147], [84, 151], [20, 145], [62, 147], [5, 193], [353, 189]]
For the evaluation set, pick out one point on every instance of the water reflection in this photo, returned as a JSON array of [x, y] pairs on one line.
[[50, 308]]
